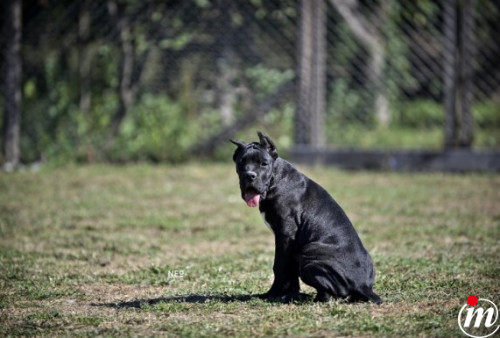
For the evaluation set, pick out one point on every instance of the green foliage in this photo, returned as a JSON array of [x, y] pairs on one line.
[[395, 137], [421, 114], [416, 124], [156, 129], [487, 119], [398, 75], [425, 114], [487, 114], [266, 80], [345, 105], [178, 48]]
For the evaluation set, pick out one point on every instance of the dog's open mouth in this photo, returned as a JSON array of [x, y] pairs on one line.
[[252, 197]]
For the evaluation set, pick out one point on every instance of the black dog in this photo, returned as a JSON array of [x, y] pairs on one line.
[[314, 238]]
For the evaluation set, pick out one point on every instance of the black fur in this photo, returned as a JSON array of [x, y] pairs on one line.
[[314, 239]]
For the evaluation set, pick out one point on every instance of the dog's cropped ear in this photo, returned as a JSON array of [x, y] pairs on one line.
[[268, 144], [240, 145]]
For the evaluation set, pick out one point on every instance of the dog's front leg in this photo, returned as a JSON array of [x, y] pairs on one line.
[[285, 268]]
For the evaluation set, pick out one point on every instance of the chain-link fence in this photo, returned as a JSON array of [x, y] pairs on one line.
[[161, 79]]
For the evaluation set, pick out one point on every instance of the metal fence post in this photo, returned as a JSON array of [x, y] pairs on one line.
[[450, 76], [12, 91], [311, 71], [466, 67]]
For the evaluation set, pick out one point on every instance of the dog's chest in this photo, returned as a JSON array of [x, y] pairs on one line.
[[263, 214]]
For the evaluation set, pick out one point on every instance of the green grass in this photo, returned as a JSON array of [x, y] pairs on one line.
[[396, 137], [172, 250]]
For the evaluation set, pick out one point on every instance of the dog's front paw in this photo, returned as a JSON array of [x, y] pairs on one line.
[[285, 297], [271, 295]]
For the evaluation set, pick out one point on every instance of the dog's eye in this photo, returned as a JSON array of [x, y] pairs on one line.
[[263, 164]]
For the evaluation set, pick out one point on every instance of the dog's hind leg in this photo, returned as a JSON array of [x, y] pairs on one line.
[[327, 283], [365, 294]]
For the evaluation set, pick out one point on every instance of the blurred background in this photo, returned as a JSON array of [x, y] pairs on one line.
[[165, 81]]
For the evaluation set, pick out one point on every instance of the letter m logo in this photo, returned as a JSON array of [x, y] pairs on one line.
[[479, 313]]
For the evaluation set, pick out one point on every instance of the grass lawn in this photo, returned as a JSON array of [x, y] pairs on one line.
[[173, 250], [404, 138]]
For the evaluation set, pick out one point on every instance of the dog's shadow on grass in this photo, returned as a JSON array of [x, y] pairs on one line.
[[200, 299]]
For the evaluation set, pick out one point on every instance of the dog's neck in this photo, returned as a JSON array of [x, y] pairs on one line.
[[283, 171]]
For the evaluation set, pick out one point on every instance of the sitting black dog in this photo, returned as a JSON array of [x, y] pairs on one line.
[[314, 238]]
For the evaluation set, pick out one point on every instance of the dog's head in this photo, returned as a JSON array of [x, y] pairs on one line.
[[254, 165]]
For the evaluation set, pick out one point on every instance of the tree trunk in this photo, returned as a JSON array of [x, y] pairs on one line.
[[85, 58], [12, 84], [311, 96], [127, 89], [319, 74], [226, 64], [226, 90], [367, 35], [458, 72]]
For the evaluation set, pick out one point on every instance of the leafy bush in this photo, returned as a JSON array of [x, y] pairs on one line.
[[425, 113], [346, 106], [420, 114], [157, 129], [266, 80], [487, 114]]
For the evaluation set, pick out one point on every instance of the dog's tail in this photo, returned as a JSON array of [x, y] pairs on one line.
[[366, 294]]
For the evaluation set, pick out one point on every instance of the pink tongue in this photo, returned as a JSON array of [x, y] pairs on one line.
[[252, 199]]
